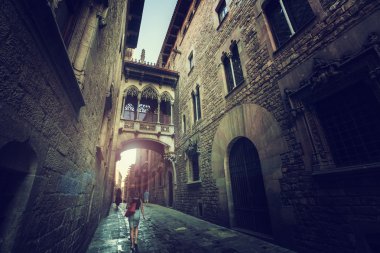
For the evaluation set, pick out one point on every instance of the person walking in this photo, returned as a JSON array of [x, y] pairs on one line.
[[146, 196], [118, 197], [134, 220]]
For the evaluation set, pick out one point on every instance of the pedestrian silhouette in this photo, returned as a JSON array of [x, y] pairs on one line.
[[146, 196], [118, 197]]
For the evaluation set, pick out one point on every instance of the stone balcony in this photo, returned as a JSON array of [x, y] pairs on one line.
[[143, 127]]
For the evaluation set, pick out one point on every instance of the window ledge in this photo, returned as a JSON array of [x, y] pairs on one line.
[[235, 89], [194, 183], [297, 34], [196, 125], [191, 70], [349, 170]]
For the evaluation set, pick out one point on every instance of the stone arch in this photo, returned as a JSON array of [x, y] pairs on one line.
[[130, 103], [18, 165], [260, 127], [149, 92], [165, 96], [143, 143], [132, 91]]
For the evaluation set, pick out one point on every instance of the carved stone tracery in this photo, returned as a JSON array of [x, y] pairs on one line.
[[166, 97], [149, 93], [132, 91], [170, 156], [328, 77]]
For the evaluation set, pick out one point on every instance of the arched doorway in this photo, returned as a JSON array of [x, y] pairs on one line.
[[250, 203], [18, 163], [170, 189]]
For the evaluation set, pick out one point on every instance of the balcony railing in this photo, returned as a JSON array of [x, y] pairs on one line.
[[147, 117], [146, 127]]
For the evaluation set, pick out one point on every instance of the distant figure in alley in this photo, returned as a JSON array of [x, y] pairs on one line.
[[118, 197], [146, 196]]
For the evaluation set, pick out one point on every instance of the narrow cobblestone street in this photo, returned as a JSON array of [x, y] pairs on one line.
[[167, 230]]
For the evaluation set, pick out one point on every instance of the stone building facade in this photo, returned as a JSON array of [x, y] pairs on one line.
[[152, 171], [60, 66], [145, 122], [277, 118]]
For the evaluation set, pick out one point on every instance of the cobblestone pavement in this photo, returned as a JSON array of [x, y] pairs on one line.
[[168, 231]]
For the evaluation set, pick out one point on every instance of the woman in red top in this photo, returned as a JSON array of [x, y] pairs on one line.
[[134, 220]]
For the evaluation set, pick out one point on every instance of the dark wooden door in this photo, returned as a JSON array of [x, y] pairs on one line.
[[250, 203]]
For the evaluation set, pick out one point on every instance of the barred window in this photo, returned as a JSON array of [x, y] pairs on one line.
[[287, 17], [351, 123]]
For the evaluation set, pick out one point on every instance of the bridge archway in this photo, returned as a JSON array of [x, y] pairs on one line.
[[156, 173]]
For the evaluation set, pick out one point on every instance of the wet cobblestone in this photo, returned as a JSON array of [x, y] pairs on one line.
[[168, 231]]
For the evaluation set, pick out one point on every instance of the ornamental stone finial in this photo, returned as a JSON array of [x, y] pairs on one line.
[[142, 58]]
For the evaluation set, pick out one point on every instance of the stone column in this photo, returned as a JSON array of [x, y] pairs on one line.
[[122, 106], [171, 112], [86, 43], [138, 105], [158, 109]]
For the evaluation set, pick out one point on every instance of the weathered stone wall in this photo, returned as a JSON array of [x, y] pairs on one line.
[[326, 212], [72, 189]]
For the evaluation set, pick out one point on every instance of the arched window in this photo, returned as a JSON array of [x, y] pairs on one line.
[[192, 154], [148, 109], [196, 104], [130, 104], [232, 67], [236, 64]]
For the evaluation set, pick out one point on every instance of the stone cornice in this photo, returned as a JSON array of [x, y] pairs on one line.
[[150, 73]]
